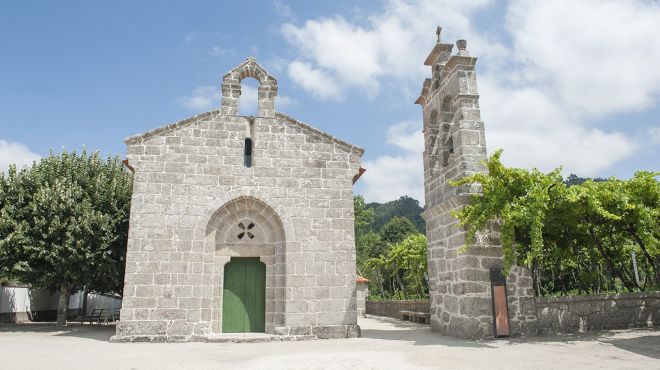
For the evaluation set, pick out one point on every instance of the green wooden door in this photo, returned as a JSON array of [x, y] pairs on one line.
[[244, 296]]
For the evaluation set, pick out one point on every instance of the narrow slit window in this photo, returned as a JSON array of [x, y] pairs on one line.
[[247, 153]]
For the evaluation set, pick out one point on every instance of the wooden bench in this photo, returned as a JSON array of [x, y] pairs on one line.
[[406, 315], [420, 317], [96, 315], [112, 315], [102, 315]]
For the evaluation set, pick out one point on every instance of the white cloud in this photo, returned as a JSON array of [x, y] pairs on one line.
[[15, 153], [535, 131], [284, 101], [593, 63], [406, 135], [284, 10], [653, 135], [390, 177], [569, 62], [314, 81], [204, 98], [219, 51], [597, 56], [391, 44]]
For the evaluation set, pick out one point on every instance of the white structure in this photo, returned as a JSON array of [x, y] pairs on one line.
[[25, 304]]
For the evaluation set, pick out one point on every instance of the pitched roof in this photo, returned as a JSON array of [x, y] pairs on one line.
[[289, 120]]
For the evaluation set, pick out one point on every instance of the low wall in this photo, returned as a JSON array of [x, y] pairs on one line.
[[19, 304], [597, 312], [392, 308]]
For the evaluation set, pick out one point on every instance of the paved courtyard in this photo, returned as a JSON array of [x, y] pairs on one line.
[[385, 344]]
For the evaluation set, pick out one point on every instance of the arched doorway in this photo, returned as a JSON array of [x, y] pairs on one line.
[[244, 296], [248, 242]]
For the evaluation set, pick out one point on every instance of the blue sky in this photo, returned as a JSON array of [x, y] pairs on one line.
[[571, 83]]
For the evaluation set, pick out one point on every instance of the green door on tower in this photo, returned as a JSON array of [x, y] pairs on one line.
[[244, 296]]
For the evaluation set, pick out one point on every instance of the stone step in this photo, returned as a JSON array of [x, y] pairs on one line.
[[250, 338], [213, 338]]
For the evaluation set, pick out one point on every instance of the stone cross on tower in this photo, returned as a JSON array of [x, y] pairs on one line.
[[455, 147]]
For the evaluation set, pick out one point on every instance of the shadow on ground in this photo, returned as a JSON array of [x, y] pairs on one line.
[[648, 346], [385, 328], [86, 331], [645, 342]]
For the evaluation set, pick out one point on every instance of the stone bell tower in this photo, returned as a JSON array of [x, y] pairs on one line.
[[454, 147]]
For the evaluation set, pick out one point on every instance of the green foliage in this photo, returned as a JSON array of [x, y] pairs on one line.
[[403, 266], [404, 207], [366, 241], [394, 258], [364, 216], [396, 230], [64, 223], [574, 179], [580, 236]]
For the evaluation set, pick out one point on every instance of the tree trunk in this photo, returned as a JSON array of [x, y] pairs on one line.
[[640, 242], [63, 306], [613, 271]]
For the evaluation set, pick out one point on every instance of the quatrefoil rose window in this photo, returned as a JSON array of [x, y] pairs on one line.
[[245, 231]]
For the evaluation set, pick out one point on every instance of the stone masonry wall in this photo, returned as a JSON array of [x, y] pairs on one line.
[[455, 147], [392, 308], [190, 180], [597, 312]]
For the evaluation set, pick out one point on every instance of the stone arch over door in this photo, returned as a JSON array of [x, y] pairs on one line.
[[248, 227]]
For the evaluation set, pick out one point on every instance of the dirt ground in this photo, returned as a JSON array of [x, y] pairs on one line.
[[385, 344]]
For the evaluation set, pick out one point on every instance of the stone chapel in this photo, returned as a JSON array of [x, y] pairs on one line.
[[240, 224]]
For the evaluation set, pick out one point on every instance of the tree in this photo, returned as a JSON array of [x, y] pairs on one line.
[[64, 224], [408, 259], [364, 216], [394, 258], [396, 230], [578, 237], [364, 238], [574, 179], [404, 206]]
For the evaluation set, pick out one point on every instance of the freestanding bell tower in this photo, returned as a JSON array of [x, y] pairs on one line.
[[461, 282]]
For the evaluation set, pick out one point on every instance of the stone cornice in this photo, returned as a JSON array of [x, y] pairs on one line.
[[460, 60], [435, 53], [185, 122], [172, 126], [426, 87]]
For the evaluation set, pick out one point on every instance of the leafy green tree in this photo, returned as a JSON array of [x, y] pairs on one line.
[[394, 258], [408, 259], [578, 237], [574, 179], [377, 272], [402, 269], [364, 238], [369, 245], [404, 206], [396, 230], [364, 216], [64, 224]]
